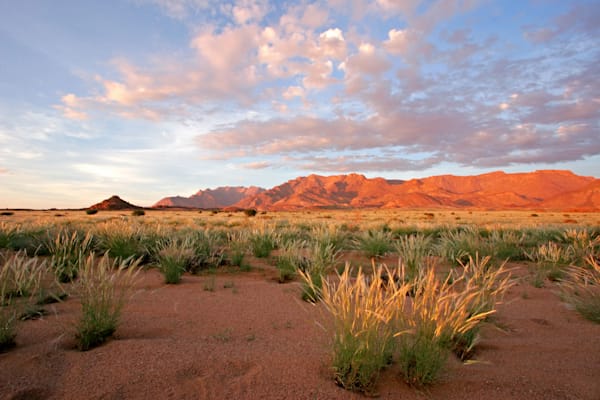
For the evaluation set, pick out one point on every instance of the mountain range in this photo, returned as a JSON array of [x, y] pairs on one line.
[[539, 190]]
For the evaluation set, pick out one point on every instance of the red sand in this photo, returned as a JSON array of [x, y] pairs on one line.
[[257, 340]]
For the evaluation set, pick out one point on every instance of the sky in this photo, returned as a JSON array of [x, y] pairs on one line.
[[154, 98]]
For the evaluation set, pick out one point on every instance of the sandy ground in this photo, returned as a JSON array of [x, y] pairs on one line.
[[252, 338]]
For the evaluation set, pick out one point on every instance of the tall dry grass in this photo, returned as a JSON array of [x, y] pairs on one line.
[[363, 325]]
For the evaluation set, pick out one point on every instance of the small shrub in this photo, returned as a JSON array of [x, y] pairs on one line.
[[250, 212], [7, 213], [91, 211], [102, 287], [138, 213]]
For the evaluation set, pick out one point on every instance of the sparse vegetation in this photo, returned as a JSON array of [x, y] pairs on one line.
[[291, 260], [363, 326], [411, 319], [173, 255], [375, 243], [413, 251], [581, 289], [263, 242], [68, 250], [103, 288]]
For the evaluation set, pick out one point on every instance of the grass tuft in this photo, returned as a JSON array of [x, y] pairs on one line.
[[363, 328], [581, 289], [103, 287]]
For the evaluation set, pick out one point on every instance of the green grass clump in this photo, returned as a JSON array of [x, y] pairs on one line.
[[103, 286], [375, 243], [581, 289], [206, 245], [440, 312], [413, 251], [8, 327], [506, 245], [122, 240], [7, 234], [262, 243], [237, 243], [91, 211], [290, 260], [173, 256], [321, 259], [456, 245], [551, 261], [68, 250], [8, 313]]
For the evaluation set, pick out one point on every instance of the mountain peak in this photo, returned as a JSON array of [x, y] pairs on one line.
[[113, 203]]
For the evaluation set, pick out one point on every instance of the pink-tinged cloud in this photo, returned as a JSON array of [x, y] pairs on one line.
[[257, 165], [3, 171]]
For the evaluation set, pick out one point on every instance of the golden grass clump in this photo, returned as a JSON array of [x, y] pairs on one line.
[[363, 313]]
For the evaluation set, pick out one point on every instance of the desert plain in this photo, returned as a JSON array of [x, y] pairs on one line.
[[230, 331]]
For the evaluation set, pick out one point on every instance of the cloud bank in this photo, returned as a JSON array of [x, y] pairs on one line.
[[368, 85]]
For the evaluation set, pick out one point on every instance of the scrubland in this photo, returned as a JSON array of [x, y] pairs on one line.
[[311, 304]]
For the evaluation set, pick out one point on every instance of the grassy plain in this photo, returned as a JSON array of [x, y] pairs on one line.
[[436, 281]]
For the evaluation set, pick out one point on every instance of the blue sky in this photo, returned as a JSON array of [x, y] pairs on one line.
[[151, 98]]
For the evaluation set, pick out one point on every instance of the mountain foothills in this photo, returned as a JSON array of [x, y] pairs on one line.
[[547, 189], [211, 198]]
